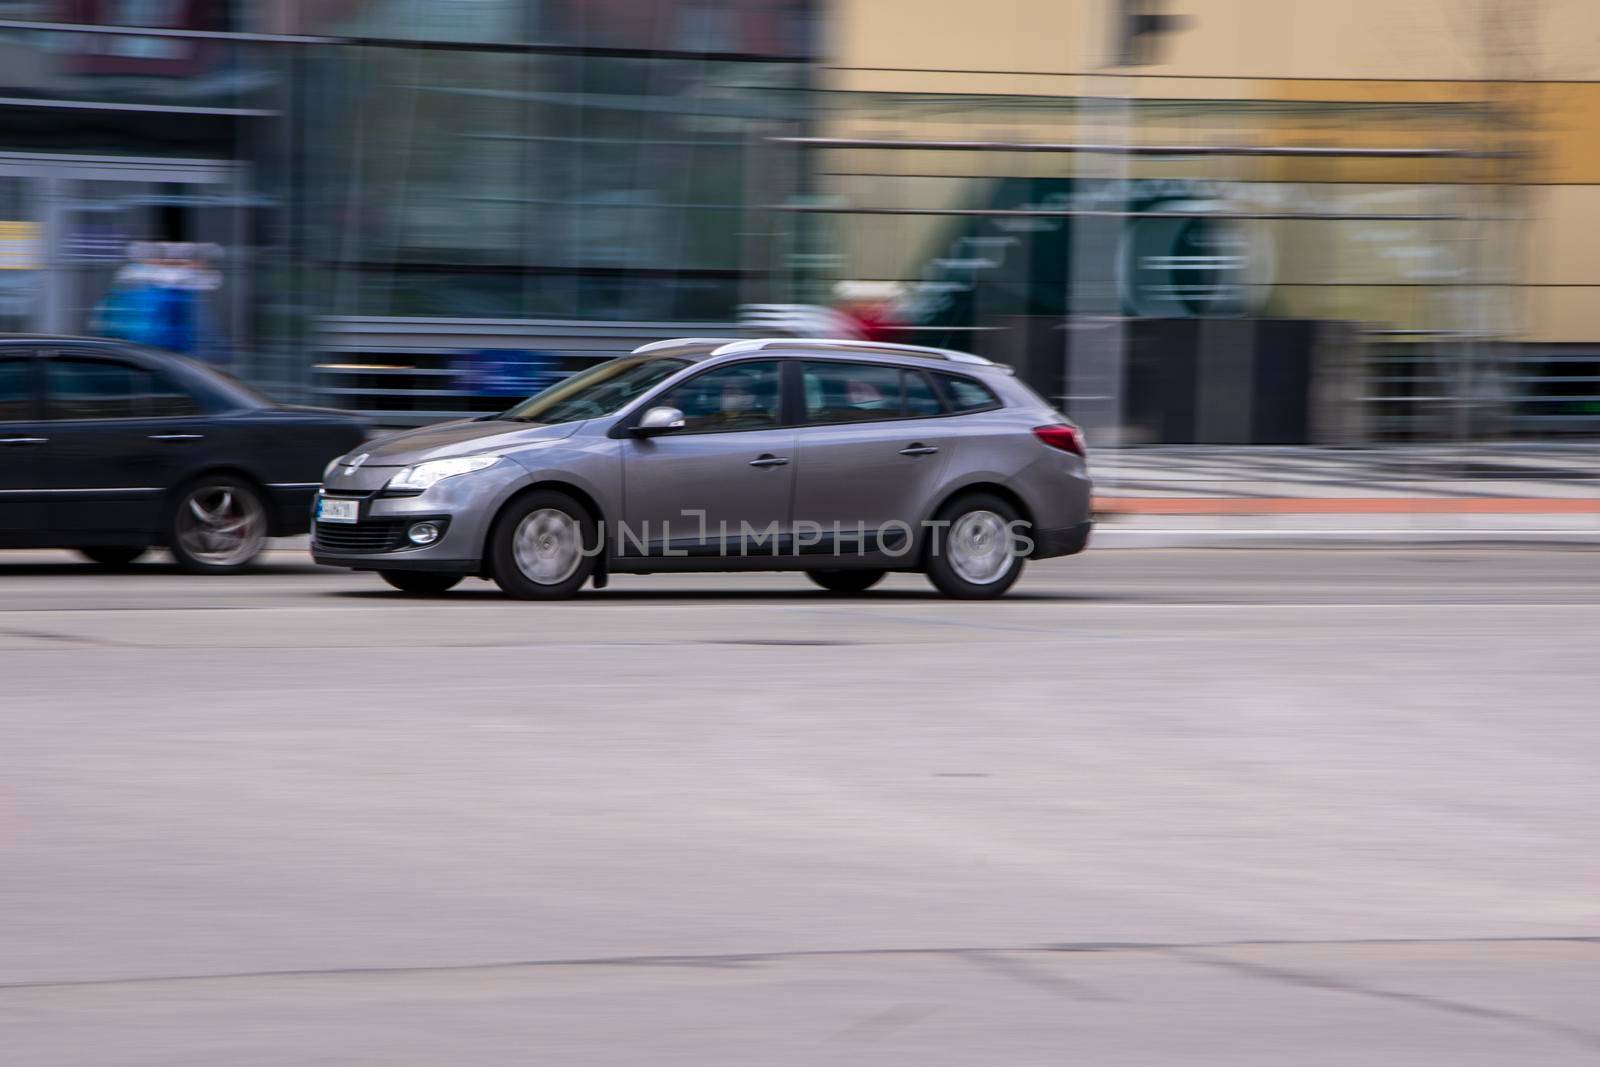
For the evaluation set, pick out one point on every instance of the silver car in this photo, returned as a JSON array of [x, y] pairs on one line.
[[840, 459]]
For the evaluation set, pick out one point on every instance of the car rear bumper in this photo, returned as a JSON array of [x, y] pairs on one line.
[[1064, 542]]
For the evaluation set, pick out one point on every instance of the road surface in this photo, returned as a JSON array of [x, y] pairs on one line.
[[1187, 807]]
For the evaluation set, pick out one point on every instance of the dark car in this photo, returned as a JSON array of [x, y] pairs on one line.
[[111, 449]]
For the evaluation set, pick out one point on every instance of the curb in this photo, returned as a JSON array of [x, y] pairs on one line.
[[1111, 506], [1112, 537]]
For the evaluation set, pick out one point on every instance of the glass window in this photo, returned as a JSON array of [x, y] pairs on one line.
[[968, 395], [95, 389], [436, 21], [597, 391], [920, 397], [167, 399], [132, 68], [851, 392], [16, 389], [498, 185], [741, 396]]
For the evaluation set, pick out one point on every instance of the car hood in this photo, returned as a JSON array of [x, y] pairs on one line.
[[465, 438]]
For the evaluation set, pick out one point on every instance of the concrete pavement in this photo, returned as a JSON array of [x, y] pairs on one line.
[[1188, 807]]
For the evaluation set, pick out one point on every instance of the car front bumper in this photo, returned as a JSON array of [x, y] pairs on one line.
[[464, 506]]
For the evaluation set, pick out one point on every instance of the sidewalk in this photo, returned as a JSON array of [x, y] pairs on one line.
[[1481, 492]]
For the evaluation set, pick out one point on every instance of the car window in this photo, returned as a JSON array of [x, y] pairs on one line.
[[740, 396], [862, 392], [16, 389], [167, 399], [851, 392], [95, 389], [920, 397], [968, 395]]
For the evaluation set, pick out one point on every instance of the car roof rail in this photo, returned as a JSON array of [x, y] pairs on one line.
[[844, 344], [676, 345]]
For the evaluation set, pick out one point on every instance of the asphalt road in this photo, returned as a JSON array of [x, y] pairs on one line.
[[1186, 807]]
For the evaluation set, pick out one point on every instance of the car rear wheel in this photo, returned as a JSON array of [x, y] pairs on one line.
[[112, 555], [219, 525], [544, 547], [973, 554], [848, 581], [421, 583]]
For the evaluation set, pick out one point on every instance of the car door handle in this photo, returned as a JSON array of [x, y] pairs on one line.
[[177, 437], [24, 440], [768, 461], [918, 449]]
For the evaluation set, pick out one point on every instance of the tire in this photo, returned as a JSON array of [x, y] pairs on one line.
[[532, 551], [847, 581], [217, 526], [964, 558], [112, 555], [421, 583]]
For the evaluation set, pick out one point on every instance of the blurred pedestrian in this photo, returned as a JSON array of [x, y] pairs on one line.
[[873, 307], [155, 298]]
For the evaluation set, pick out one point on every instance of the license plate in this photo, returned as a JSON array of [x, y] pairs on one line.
[[331, 510]]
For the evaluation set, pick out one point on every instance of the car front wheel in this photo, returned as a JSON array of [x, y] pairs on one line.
[[974, 553], [219, 525], [544, 547]]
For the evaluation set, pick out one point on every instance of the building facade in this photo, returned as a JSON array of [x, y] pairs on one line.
[[427, 176], [405, 205], [1453, 238]]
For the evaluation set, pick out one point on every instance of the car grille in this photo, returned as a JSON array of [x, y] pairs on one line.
[[382, 535]]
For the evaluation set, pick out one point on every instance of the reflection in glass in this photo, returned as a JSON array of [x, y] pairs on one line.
[[505, 185]]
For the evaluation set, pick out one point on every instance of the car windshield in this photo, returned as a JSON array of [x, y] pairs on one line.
[[597, 391]]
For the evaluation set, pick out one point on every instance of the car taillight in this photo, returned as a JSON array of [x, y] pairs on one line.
[[1066, 438]]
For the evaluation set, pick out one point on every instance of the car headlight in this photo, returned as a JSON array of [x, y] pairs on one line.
[[426, 475]]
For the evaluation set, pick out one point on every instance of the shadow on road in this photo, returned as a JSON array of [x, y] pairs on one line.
[[152, 569], [614, 596]]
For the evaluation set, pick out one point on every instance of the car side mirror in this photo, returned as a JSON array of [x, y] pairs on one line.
[[659, 421]]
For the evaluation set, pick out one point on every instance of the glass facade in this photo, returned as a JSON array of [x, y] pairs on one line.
[[444, 159], [528, 185]]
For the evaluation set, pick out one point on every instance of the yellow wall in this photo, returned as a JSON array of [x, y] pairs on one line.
[[1537, 60], [1436, 40]]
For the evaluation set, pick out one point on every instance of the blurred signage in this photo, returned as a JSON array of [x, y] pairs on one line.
[[1177, 268], [1170, 267], [505, 372], [1152, 267], [20, 245]]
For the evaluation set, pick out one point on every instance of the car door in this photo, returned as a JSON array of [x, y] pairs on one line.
[[116, 443], [721, 482], [872, 444], [22, 443]]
